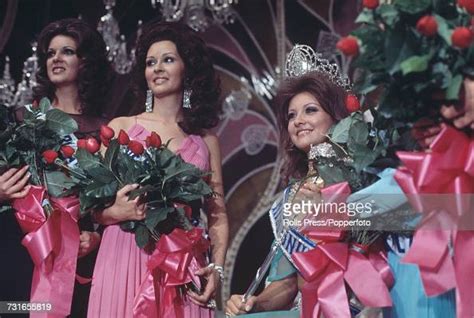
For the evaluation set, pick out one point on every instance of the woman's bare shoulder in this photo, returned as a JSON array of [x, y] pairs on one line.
[[212, 142], [123, 122]]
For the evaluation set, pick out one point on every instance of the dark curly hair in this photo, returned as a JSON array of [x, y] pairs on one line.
[[332, 99], [199, 74], [94, 70]]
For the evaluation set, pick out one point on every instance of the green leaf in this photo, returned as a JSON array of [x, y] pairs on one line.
[[372, 39], [331, 175], [183, 220], [415, 64], [340, 132], [173, 172], [140, 191], [363, 157], [111, 154], [164, 157], [399, 45], [60, 122], [155, 215], [58, 183], [101, 174], [86, 160], [358, 133], [44, 105], [188, 191], [366, 16], [101, 190], [412, 6], [388, 13], [128, 169], [443, 29], [454, 88], [87, 203], [142, 236]]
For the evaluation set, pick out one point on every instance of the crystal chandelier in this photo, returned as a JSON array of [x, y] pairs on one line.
[[23, 94], [121, 59], [7, 85], [197, 14]]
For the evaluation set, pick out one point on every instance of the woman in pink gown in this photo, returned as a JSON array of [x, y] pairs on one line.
[[175, 73]]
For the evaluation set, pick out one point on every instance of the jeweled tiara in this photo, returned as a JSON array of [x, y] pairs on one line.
[[303, 59]]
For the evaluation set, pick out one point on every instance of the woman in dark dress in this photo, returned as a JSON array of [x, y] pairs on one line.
[[73, 73]]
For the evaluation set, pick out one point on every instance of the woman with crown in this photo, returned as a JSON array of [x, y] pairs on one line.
[[309, 101]]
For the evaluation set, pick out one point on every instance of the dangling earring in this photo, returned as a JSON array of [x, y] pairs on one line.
[[187, 97], [149, 101]]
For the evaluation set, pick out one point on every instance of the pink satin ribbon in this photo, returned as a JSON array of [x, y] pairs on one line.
[[53, 244], [173, 263], [447, 169], [336, 193], [329, 265]]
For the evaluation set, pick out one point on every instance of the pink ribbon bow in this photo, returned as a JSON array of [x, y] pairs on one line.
[[173, 263], [447, 169], [53, 244], [329, 265]]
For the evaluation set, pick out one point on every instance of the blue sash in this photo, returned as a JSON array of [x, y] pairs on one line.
[[289, 239]]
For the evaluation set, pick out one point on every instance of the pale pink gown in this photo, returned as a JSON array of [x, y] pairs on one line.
[[121, 266]]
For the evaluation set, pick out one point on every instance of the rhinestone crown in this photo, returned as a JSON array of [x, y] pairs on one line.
[[303, 59]]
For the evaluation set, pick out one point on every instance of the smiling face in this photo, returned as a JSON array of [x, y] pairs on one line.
[[164, 69], [308, 122], [62, 62]]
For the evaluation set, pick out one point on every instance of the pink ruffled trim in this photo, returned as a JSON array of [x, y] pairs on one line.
[[193, 149]]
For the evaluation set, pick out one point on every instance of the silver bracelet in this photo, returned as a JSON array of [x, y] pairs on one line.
[[219, 269]]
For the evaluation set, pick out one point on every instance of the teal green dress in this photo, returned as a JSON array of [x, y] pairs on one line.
[[408, 296]]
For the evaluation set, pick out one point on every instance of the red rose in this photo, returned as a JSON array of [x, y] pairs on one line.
[[348, 45], [461, 37], [67, 151], [352, 103], [136, 147], [34, 104], [92, 145], [370, 4], [106, 132], [153, 140], [427, 25], [105, 141], [49, 156], [467, 4], [123, 138], [81, 143]]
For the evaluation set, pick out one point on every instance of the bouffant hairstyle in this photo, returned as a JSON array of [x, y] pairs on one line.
[[332, 99], [199, 76], [94, 69]]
